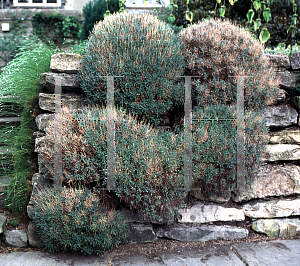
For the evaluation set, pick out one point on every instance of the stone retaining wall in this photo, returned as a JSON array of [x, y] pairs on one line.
[[272, 203]]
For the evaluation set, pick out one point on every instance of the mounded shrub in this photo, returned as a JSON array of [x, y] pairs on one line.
[[148, 163], [149, 56], [216, 50], [72, 220]]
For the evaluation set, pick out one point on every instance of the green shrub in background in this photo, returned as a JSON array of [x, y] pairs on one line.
[[217, 51], [147, 53], [73, 220], [56, 28], [94, 12], [282, 12], [148, 164]]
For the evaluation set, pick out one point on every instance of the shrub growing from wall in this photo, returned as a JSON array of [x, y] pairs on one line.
[[147, 53], [219, 51], [148, 163]]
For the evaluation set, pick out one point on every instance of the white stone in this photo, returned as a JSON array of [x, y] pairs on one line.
[[16, 238], [205, 213], [272, 209]]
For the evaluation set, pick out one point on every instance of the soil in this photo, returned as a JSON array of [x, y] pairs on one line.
[[160, 246]]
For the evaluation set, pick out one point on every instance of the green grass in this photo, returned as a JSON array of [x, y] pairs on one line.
[[21, 78]]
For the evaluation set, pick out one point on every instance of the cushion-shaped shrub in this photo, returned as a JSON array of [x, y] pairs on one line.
[[219, 51], [149, 56], [73, 220], [148, 162]]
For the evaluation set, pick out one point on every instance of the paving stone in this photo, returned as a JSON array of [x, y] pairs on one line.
[[213, 256], [271, 253]]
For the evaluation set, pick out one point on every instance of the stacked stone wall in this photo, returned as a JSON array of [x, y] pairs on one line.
[[271, 204]]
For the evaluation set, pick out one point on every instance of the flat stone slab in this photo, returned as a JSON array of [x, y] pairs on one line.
[[38, 258], [281, 152], [202, 233], [70, 100], [210, 256], [66, 62], [271, 253], [280, 116], [204, 213], [69, 82], [286, 136], [272, 180], [273, 208], [278, 60], [277, 227]]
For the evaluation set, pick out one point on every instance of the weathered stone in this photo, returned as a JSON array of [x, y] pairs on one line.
[[70, 100], [33, 238], [279, 97], [280, 116], [266, 253], [69, 82], [281, 152], [287, 80], [141, 233], [38, 143], [285, 137], [278, 60], [2, 223], [129, 215], [277, 227], [205, 213], [223, 196], [272, 180], [38, 134], [202, 233], [66, 62], [295, 61], [38, 182], [42, 121], [273, 208], [16, 238]]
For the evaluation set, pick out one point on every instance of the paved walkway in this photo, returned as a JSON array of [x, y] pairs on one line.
[[271, 253]]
